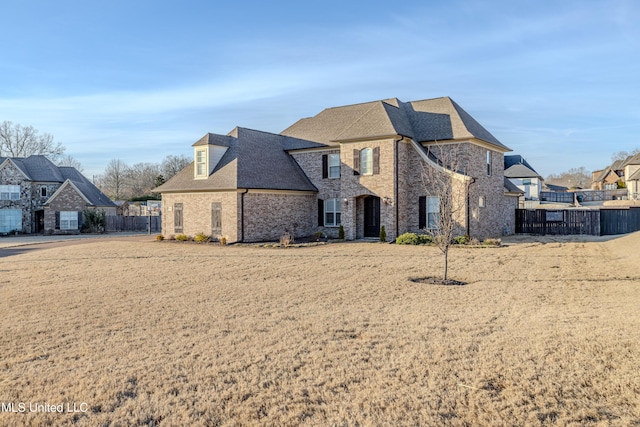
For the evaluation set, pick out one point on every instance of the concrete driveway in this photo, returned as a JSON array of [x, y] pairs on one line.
[[25, 240]]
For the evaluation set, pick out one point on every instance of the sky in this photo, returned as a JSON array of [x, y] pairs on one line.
[[557, 82]]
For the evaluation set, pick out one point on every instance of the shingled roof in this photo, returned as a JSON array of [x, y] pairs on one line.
[[40, 169], [427, 120], [517, 167], [254, 160]]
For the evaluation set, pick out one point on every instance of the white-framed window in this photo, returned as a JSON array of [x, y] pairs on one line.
[[68, 220], [433, 212], [366, 161], [334, 165], [332, 208], [9, 192], [201, 162], [10, 220], [482, 202], [488, 163]]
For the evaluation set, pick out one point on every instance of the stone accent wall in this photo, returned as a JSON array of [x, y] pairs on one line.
[[67, 200], [10, 175], [267, 216], [196, 213]]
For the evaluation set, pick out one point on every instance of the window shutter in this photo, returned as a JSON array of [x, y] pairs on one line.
[[422, 212], [177, 217], [356, 161], [80, 220], [325, 166], [320, 213], [216, 218], [376, 160], [57, 220]]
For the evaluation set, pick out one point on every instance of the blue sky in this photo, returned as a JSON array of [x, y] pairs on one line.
[[558, 82]]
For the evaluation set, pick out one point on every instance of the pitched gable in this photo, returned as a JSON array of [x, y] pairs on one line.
[[424, 121], [16, 165], [255, 160]]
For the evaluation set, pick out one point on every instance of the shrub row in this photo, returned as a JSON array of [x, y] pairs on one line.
[[425, 239]]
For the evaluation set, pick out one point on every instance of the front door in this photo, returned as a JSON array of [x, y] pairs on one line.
[[372, 216], [39, 220]]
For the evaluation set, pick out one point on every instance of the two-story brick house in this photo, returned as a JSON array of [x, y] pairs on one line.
[[359, 166], [37, 196]]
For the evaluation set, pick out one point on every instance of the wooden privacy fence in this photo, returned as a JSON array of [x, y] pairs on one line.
[[619, 221], [133, 223], [575, 221]]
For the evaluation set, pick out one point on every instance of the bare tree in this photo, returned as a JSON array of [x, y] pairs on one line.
[[171, 165], [141, 178], [446, 182], [24, 141], [69, 160], [113, 182], [573, 178], [622, 155]]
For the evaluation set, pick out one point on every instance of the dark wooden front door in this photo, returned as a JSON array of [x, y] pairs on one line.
[[372, 216], [39, 220]]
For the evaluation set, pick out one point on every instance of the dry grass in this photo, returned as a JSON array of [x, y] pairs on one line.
[[151, 333]]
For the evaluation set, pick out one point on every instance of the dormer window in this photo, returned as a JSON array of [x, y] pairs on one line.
[[201, 163], [206, 158]]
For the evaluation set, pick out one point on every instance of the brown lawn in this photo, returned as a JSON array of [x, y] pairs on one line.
[[146, 333]]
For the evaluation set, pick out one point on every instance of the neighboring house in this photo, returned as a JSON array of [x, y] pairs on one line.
[[632, 176], [609, 177], [359, 166], [37, 196], [620, 173], [523, 176]]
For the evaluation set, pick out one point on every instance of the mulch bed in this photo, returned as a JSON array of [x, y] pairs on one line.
[[437, 281]]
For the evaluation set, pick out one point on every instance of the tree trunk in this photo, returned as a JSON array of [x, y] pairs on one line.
[[446, 264]]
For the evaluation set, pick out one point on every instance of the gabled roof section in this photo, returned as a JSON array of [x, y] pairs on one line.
[[264, 164], [17, 163], [424, 121], [514, 160], [214, 139], [511, 188], [462, 124], [327, 125], [517, 167], [65, 185], [87, 189], [633, 160], [634, 176], [254, 160], [520, 171], [37, 168]]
